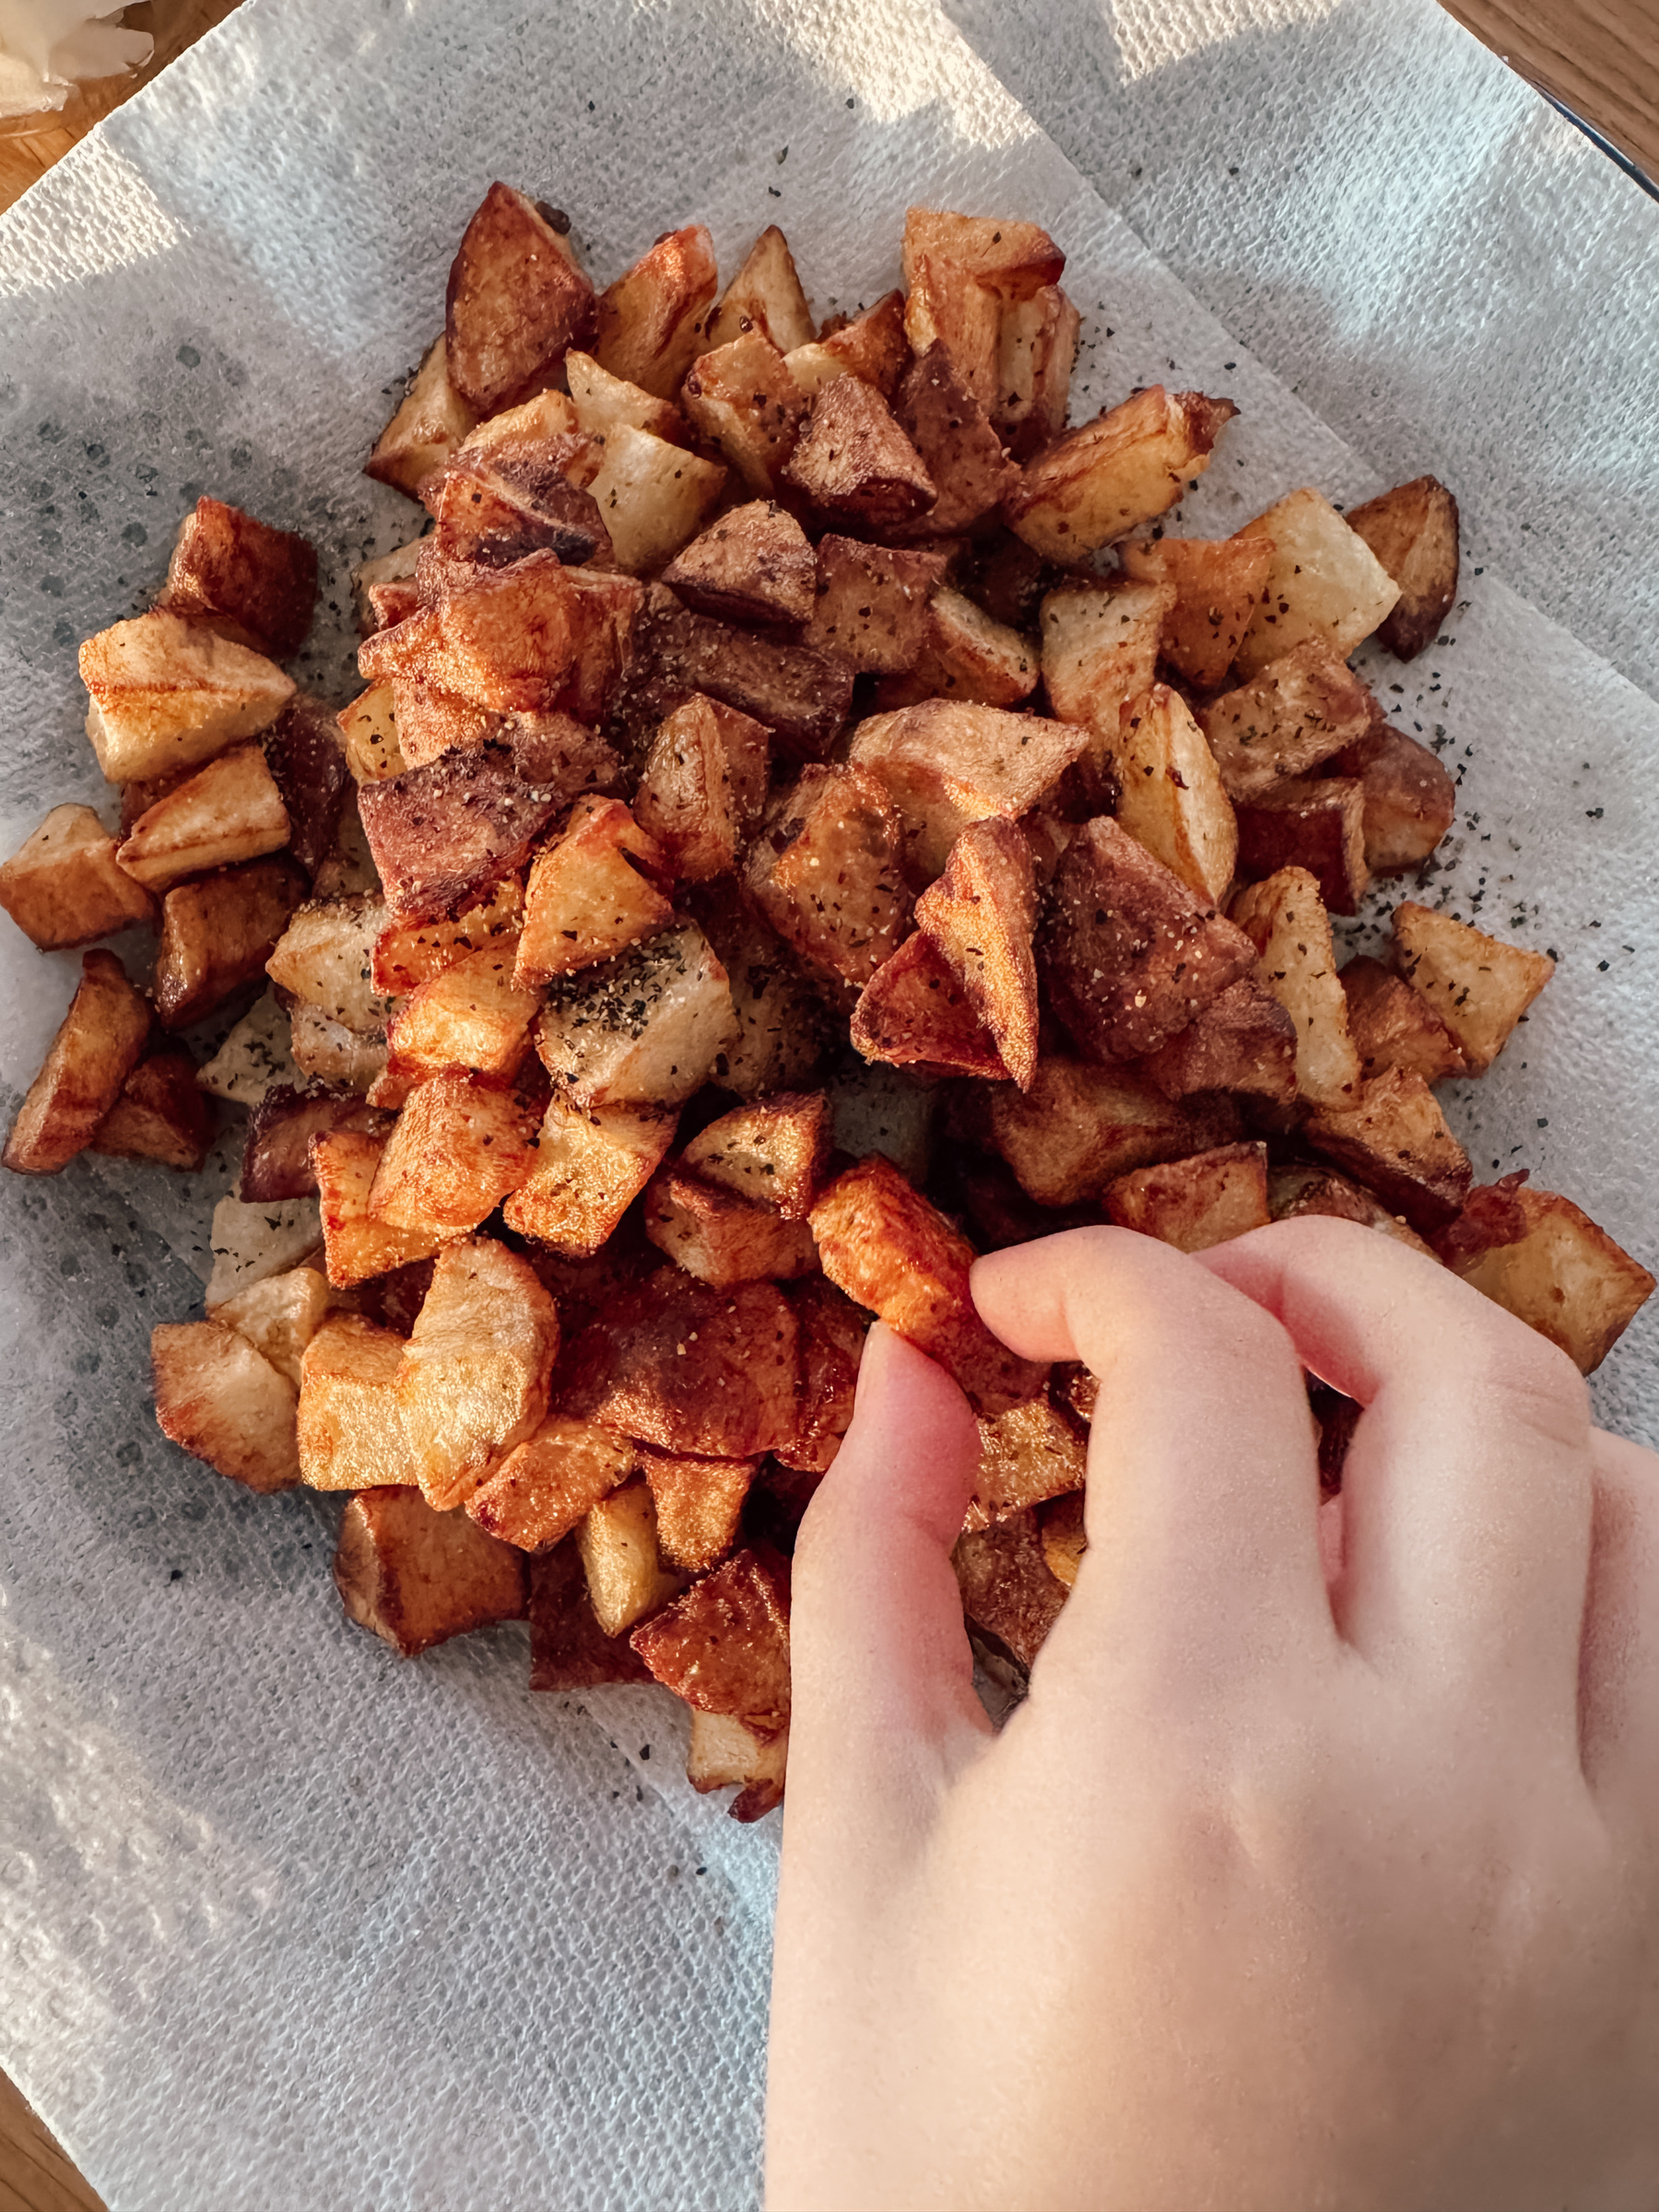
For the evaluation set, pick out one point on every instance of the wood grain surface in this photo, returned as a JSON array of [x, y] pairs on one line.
[[1600, 56]]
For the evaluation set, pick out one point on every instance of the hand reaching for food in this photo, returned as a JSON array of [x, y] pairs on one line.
[[1320, 1865]]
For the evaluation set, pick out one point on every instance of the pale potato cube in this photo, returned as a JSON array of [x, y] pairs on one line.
[[219, 1400], [643, 1029], [326, 958], [369, 727], [474, 1379], [1099, 649], [1324, 582], [250, 1242], [229, 811], [1285, 918], [724, 1749], [350, 1431], [1103, 479], [604, 403], [1171, 795], [626, 1577], [653, 497], [253, 1056], [428, 425], [278, 1316], [765, 295], [1478, 985]]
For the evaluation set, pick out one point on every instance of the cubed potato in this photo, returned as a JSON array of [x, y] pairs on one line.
[[306, 755], [691, 1369], [1297, 711], [369, 735], [567, 1648], [1080, 1126], [965, 655], [698, 1502], [417, 1578], [1540, 1257], [396, 567], [254, 582], [279, 1316], [408, 954], [743, 399], [277, 1162], [1393, 1139], [602, 403], [651, 318], [947, 763], [166, 694], [703, 788], [645, 1029], [425, 724], [542, 415], [871, 346], [1286, 919], [959, 271], [1312, 822], [444, 835], [1217, 583], [357, 1244], [1099, 649], [351, 1432], [1172, 800], [95, 1051], [1413, 532], [159, 1115], [723, 1647], [1480, 986], [253, 1056], [1027, 1454], [870, 604], [1197, 1202], [853, 464], [801, 696], [886, 1246], [1324, 582], [511, 639], [1105, 479], [1009, 1594], [653, 497], [915, 1012], [474, 1379], [1410, 800], [827, 872], [218, 932], [250, 1243], [1394, 1026], [1013, 259], [1304, 1187], [754, 564], [765, 295], [628, 1580], [591, 894], [521, 496], [772, 1153], [546, 1485], [462, 1142], [428, 426], [327, 1052], [63, 886], [1129, 954], [1243, 1040], [325, 956], [223, 1402], [982, 916], [723, 1750], [1064, 1537], [886, 1110], [591, 1164], [723, 1239], [831, 1331], [783, 1027], [962, 453], [472, 1015], [516, 302], [1036, 351]]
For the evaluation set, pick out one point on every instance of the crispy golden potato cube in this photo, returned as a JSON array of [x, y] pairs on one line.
[[95, 1051], [754, 564], [653, 497], [591, 1164], [723, 1750], [947, 307], [388, 605], [651, 318], [408, 954], [871, 346], [1172, 800], [356, 1244], [444, 835], [1312, 822], [743, 399], [645, 1029], [1297, 711], [1478, 986], [545, 1486], [1064, 1537], [627, 1578], [1009, 1593], [870, 604], [1099, 649], [326, 956], [765, 295], [691, 1369], [982, 916], [1411, 801], [277, 1162], [516, 302], [218, 932], [1013, 260], [590, 894], [1027, 1454], [826, 871], [250, 1242], [800, 696], [1080, 1125], [63, 886], [946, 762], [1243, 1040], [473, 1378], [507, 640], [698, 1502], [1036, 350], [1324, 582], [724, 1646], [783, 1027], [831, 1331], [967, 655], [1541, 1259], [1393, 1139], [166, 694], [427, 428], [567, 1648], [952, 432], [1413, 532], [885, 1245], [1394, 1026], [703, 788], [278, 1315], [1097, 483], [1286, 919], [471, 1015], [721, 1240], [258, 583], [222, 1401], [602, 402], [368, 733], [853, 463], [462, 1142], [1217, 583], [1129, 954], [351, 1432], [915, 1012], [161, 1115], [1193, 1203], [327, 1052], [519, 497], [1304, 1187], [772, 1153], [417, 1578], [229, 811]]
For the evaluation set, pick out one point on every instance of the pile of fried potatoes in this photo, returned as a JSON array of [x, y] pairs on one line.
[[804, 823]]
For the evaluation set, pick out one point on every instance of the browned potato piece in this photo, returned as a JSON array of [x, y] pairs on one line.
[[765, 295], [1099, 482], [1080, 1126], [62, 887], [1197, 1202], [512, 640], [915, 1012], [1243, 1040], [222, 1401], [350, 1435], [1013, 260], [1099, 649], [166, 694], [591, 1164], [160, 1114], [651, 319], [1478, 986], [743, 399], [1027, 1454], [567, 1648], [518, 497], [1540, 1257], [698, 1502], [307, 761], [587, 899], [721, 1240], [1036, 349], [627, 1577], [371, 740], [982, 915], [1129, 954], [277, 1162], [703, 787], [832, 1330], [1218, 583], [722, 1750], [445, 834], [602, 402], [950, 430], [1297, 713], [234, 571], [723, 1647], [1394, 1141], [461, 1145], [855, 464], [1170, 795], [516, 302], [226, 812], [1302, 1187], [1394, 1026], [947, 762], [872, 346], [965, 655], [1312, 822], [959, 272], [653, 496], [95, 1051], [1413, 532], [827, 871], [545, 1486], [474, 1379], [473, 1015], [801, 696], [753, 565], [886, 1246], [783, 1027], [870, 604], [425, 431], [408, 954], [645, 1029], [417, 1578], [1286, 919], [356, 1244], [1009, 1593], [1411, 801], [1324, 582], [772, 1153]]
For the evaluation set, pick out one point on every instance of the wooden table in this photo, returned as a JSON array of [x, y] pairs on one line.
[[1601, 57]]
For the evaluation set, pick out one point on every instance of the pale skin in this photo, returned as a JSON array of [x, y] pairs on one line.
[[1321, 1866]]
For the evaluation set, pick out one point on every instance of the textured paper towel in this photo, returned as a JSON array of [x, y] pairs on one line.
[[286, 1922]]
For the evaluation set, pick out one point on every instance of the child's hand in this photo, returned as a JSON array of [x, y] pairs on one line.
[[1269, 1896]]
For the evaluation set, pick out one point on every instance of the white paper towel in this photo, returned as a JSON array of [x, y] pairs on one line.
[[287, 1922]]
